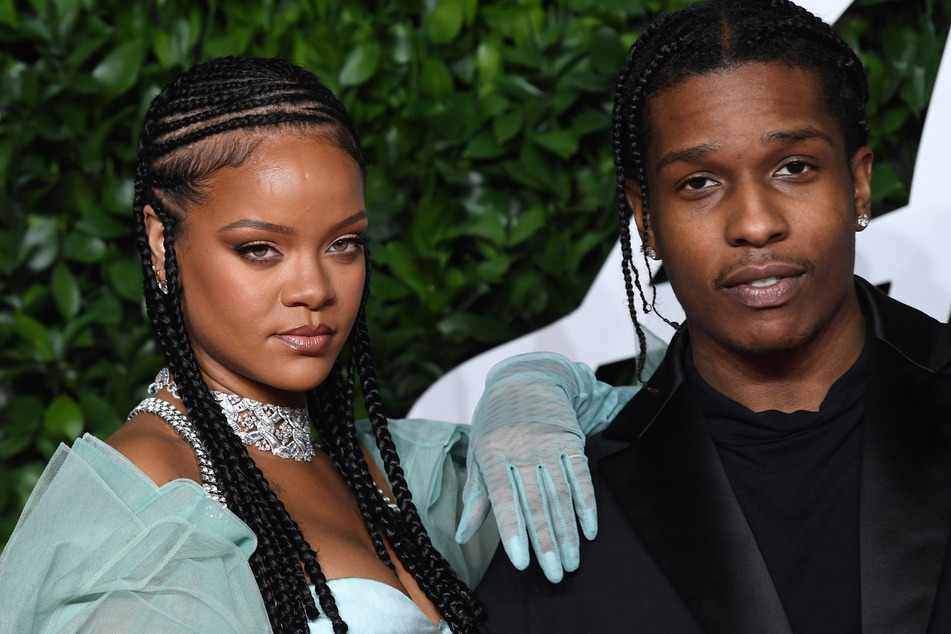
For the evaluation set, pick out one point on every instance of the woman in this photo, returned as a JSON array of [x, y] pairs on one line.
[[252, 226]]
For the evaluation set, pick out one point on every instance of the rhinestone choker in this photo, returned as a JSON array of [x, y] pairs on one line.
[[284, 431]]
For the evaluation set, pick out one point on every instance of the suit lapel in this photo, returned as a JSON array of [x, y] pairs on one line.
[[672, 487], [905, 507]]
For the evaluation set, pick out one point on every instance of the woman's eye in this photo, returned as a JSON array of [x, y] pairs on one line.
[[256, 251], [341, 245], [350, 244]]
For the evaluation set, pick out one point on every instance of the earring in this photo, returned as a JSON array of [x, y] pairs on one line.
[[862, 221], [162, 284], [650, 252]]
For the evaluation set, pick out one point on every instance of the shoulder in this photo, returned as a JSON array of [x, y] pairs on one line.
[[156, 449]]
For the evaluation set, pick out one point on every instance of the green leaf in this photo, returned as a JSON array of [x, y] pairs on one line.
[[24, 416], [435, 79], [526, 225], [483, 146], [99, 414], [126, 277], [463, 326], [65, 291], [34, 333], [507, 125], [41, 236], [82, 247], [361, 64], [116, 73], [562, 142], [445, 21], [8, 13], [64, 418]]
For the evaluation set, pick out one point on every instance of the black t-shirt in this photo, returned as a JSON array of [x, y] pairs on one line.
[[796, 477]]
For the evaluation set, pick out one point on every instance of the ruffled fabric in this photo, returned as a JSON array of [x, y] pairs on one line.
[[101, 548]]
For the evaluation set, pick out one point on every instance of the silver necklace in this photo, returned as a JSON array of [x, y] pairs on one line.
[[284, 431]]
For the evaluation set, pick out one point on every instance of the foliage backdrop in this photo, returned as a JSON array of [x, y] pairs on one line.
[[490, 188]]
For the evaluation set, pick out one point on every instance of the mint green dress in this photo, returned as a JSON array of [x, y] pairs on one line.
[[101, 548]]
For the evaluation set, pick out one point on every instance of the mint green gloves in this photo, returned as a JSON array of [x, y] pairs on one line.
[[526, 457]]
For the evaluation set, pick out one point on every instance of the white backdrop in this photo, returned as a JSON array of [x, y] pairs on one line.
[[910, 248]]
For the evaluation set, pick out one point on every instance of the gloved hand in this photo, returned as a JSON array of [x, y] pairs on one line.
[[543, 485], [526, 457]]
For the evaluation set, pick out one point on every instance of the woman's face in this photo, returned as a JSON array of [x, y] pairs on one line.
[[271, 267]]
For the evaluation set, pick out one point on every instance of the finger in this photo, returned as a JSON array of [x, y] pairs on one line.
[[565, 527], [582, 493], [475, 505], [543, 514], [508, 507]]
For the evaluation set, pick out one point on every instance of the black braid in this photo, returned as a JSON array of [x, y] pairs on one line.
[[704, 38], [211, 117]]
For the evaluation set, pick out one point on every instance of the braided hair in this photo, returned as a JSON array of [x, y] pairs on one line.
[[211, 117], [704, 38]]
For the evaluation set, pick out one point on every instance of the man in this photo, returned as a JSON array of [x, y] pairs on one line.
[[788, 466]]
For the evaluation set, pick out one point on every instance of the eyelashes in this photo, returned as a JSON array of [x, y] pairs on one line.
[[261, 251]]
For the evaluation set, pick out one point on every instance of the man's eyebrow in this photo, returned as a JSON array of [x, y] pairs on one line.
[[686, 155], [779, 137]]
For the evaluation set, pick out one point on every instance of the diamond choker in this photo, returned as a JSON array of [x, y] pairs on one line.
[[284, 431]]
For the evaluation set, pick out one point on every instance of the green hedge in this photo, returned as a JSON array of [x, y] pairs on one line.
[[490, 188]]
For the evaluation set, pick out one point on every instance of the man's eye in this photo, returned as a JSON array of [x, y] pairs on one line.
[[698, 182], [794, 168]]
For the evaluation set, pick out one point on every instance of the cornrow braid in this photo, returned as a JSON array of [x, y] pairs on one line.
[[211, 117], [704, 38]]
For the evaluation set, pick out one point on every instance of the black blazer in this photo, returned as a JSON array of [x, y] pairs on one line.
[[674, 552]]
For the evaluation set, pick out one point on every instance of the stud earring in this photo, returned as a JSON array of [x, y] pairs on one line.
[[862, 221], [650, 252]]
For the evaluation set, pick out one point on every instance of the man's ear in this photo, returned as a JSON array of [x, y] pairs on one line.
[[155, 231], [635, 200], [861, 168]]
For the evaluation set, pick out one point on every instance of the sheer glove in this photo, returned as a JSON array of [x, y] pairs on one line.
[[526, 457]]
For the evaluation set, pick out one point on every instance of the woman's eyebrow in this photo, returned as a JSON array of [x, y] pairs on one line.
[[360, 215], [250, 223]]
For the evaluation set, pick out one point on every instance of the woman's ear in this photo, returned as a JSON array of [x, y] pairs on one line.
[[155, 231], [635, 200]]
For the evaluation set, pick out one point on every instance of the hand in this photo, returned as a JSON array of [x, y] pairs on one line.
[[535, 476]]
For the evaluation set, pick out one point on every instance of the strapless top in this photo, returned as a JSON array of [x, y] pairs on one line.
[[369, 606]]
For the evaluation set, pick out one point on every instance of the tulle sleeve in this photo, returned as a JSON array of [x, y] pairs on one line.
[[433, 457], [101, 548]]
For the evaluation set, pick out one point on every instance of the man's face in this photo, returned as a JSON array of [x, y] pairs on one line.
[[753, 208]]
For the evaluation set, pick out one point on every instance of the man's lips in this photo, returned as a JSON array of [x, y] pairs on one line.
[[755, 273], [764, 285], [307, 339]]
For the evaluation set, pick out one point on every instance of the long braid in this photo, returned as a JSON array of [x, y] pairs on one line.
[[704, 38], [236, 101], [402, 529], [420, 558]]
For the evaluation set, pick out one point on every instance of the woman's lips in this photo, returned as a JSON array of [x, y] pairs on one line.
[[309, 340]]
